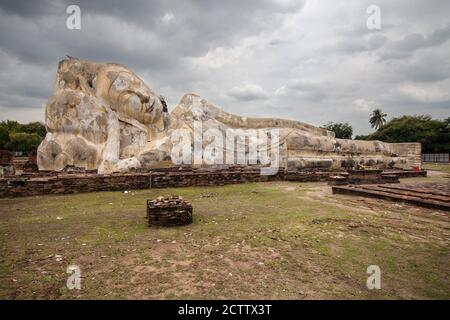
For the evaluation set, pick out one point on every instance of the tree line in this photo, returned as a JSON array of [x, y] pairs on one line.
[[15, 136], [432, 133]]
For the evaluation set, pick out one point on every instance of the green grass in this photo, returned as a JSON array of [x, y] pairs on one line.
[[260, 240], [442, 167]]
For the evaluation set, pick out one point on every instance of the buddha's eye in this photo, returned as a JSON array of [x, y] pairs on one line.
[[129, 102], [135, 102]]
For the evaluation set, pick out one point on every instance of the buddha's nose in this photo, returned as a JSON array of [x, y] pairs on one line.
[[148, 106]]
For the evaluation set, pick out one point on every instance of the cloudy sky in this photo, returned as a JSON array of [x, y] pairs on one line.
[[313, 61]]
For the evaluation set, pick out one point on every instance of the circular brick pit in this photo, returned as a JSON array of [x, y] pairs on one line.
[[169, 211]]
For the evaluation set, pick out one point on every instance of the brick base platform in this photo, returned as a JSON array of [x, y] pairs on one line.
[[362, 177], [169, 211], [430, 197]]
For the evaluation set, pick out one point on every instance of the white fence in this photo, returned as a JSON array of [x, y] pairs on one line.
[[436, 157]]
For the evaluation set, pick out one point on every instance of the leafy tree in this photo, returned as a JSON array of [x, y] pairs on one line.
[[341, 130], [15, 136], [377, 118], [445, 130], [10, 126], [34, 127], [362, 137], [4, 137], [25, 142], [433, 134]]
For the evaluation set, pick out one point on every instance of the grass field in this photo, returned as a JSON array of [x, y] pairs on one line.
[[261, 240], [443, 167]]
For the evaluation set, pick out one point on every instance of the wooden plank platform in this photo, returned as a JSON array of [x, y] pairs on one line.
[[417, 195]]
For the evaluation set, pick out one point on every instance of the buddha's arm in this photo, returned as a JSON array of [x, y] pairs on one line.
[[193, 104]]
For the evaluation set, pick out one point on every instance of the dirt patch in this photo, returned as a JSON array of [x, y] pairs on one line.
[[249, 241]]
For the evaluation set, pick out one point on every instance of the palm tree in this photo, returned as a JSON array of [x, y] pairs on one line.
[[377, 118]]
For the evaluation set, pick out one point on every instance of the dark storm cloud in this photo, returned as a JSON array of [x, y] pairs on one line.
[[151, 37], [412, 42], [31, 8], [305, 60], [196, 26]]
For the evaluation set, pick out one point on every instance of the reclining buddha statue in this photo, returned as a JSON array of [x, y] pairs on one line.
[[103, 117]]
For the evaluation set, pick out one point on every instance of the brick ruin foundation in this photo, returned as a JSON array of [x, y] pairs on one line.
[[10, 165], [368, 176], [33, 184], [6, 164], [427, 195], [67, 183], [169, 211]]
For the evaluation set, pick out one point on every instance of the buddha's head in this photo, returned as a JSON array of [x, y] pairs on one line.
[[122, 90]]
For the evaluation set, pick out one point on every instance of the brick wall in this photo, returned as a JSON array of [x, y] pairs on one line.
[[77, 183]]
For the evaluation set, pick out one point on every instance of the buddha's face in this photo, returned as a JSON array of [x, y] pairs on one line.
[[128, 95]]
